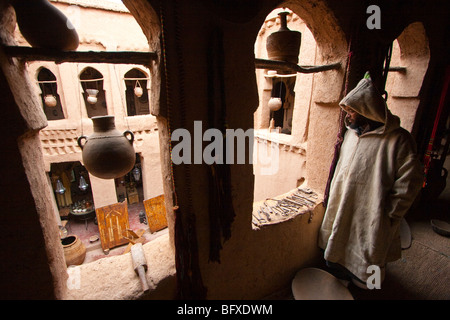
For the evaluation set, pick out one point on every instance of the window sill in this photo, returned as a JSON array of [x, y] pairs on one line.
[[285, 207], [290, 142]]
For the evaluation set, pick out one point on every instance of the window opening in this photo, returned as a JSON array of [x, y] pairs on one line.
[[409, 63], [93, 93], [130, 185], [281, 188], [51, 101], [282, 118], [136, 93], [73, 193]]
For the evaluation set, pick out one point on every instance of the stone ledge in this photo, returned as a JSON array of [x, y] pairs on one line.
[[285, 142], [113, 278], [267, 212]]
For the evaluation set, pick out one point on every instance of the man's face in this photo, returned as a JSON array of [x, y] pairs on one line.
[[353, 119]]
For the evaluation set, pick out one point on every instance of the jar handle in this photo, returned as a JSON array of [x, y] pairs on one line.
[[79, 141], [131, 134]]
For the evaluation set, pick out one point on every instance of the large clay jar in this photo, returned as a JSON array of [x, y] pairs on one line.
[[44, 25], [284, 44], [74, 250], [107, 153]]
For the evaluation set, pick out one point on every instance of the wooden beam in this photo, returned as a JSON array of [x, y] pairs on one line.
[[114, 57], [289, 66]]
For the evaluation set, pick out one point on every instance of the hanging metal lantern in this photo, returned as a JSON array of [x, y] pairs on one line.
[[284, 44], [136, 174], [83, 185], [60, 187], [92, 98]]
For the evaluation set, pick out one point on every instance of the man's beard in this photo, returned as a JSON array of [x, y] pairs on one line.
[[359, 122]]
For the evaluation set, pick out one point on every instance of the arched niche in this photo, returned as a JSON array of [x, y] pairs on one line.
[[136, 92], [308, 151], [93, 93], [51, 101], [411, 51]]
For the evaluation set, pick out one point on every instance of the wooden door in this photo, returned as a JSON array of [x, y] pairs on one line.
[[156, 213], [112, 225]]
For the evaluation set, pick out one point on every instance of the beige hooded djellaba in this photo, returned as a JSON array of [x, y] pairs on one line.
[[377, 178]]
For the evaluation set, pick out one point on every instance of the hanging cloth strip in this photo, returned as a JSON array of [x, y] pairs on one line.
[[189, 281], [220, 202], [427, 158], [341, 131]]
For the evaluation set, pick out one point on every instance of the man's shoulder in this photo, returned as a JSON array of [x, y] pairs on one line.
[[403, 137]]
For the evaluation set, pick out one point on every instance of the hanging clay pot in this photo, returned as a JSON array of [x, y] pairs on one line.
[[275, 104], [284, 44], [74, 250], [138, 89], [107, 153], [45, 26], [50, 101]]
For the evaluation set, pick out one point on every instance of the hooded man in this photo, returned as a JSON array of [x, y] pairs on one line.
[[376, 180]]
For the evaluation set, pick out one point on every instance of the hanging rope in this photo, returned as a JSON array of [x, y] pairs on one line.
[[168, 103], [122, 97], [387, 63], [80, 95]]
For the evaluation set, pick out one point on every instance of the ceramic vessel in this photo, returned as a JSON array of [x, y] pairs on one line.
[[50, 101], [107, 153], [92, 95], [74, 250], [138, 90], [284, 44], [45, 26], [275, 104]]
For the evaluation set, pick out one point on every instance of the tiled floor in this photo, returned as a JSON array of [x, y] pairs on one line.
[[84, 230]]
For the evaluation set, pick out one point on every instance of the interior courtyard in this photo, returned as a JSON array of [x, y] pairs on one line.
[[208, 231]]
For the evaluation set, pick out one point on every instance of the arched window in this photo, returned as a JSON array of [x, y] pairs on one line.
[[136, 93], [293, 143], [410, 51], [93, 92], [51, 101]]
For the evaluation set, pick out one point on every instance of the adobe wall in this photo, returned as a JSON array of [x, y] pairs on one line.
[[32, 258], [253, 263], [251, 260]]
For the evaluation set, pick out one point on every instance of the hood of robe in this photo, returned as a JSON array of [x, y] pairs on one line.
[[366, 100]]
